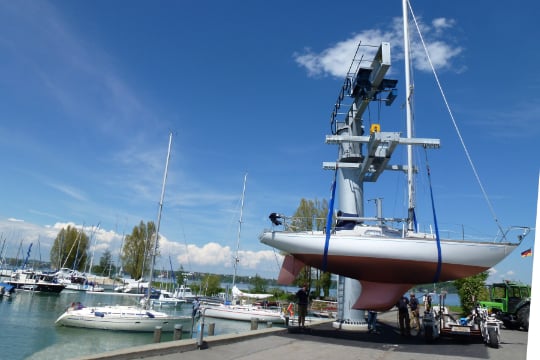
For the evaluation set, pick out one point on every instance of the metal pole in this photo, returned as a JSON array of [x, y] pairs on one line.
[[200, 336]]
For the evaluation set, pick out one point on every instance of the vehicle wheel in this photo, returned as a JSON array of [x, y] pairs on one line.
[[493, 340], [428, 333], [509, 325], [523, 317]]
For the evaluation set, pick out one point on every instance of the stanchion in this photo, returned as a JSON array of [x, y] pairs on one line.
[[286, 321], [254, 323], [211, 329], [200, 336], [269, 324], [157, 334], [177, 332]]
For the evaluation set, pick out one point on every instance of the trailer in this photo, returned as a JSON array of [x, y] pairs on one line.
[[438, 322]]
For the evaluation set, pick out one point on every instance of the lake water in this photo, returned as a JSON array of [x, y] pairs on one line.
[[29, 332]]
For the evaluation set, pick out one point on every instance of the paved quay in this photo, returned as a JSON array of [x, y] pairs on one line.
[[322, 341]]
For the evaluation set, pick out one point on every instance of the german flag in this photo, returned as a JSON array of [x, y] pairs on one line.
[[526, 253]]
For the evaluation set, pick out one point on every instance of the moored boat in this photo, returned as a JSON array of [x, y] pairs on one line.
[[184, 292], [126, 318], [234, 309], [6, 289], [31, 280], [120, 318], [240, 312]]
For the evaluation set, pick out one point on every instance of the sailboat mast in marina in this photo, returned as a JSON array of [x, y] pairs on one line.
[[127, 318], [236, 258], [377, 258], [158, 222], [232, 309]]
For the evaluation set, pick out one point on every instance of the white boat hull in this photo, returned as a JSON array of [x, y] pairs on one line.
[[386, 266], [242, 313], [121, 318], [392, 260]]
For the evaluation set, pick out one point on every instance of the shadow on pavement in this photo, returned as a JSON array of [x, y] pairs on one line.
[[389, 336]]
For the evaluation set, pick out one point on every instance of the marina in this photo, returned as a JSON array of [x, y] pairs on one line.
[[30, 332]]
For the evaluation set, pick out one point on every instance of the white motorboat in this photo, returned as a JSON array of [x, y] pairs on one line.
[[120, 318], [31, 280], [184, 293], [165, 298], [76, 281], [131, 286], [386, 260]]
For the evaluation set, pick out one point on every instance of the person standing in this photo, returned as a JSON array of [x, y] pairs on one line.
[[302, 298], [403, 314], [372, 321], [195, 306], [415, 312]]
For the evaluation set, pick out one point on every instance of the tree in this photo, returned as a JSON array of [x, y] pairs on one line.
[[325, 283], [259, 284], [138, 249], [70, 249], [312, 215], [210, 284], [471, 290], [105, 264]]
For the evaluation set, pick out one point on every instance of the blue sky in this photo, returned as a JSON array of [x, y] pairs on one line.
[[90, 90]]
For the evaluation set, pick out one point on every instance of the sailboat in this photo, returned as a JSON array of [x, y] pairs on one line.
[[127, 318], [234, 310], [385, 260]]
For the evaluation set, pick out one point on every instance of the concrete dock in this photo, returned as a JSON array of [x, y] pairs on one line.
[[322, 341]]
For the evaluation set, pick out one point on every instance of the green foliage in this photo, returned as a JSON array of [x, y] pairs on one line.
[[210, 285], [471, 290], [325, 283], [105, 266], [70, 249], [304, 277], [138, 248], [259, 284], [312, 215]]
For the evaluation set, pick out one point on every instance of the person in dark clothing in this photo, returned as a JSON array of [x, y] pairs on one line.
[[403, 313], [372, 321], [302, 297], [415, 311], [195, 307]]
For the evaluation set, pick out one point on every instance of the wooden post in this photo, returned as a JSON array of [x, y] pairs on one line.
[[211, 329], [157, 334], [177, 332], [254, 323]]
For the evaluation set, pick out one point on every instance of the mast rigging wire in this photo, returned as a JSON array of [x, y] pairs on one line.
[[454, 123]]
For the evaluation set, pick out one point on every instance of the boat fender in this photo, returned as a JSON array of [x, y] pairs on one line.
[[290, 309], [150, 315], [99, 313]]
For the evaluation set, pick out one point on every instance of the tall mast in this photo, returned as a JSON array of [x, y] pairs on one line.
[[408, 94], [236, 259], [159, 220]]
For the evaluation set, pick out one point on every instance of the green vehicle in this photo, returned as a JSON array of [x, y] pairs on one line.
[[510, 302]]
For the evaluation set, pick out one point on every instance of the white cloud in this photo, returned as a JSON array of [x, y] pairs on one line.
[[336, 60]]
